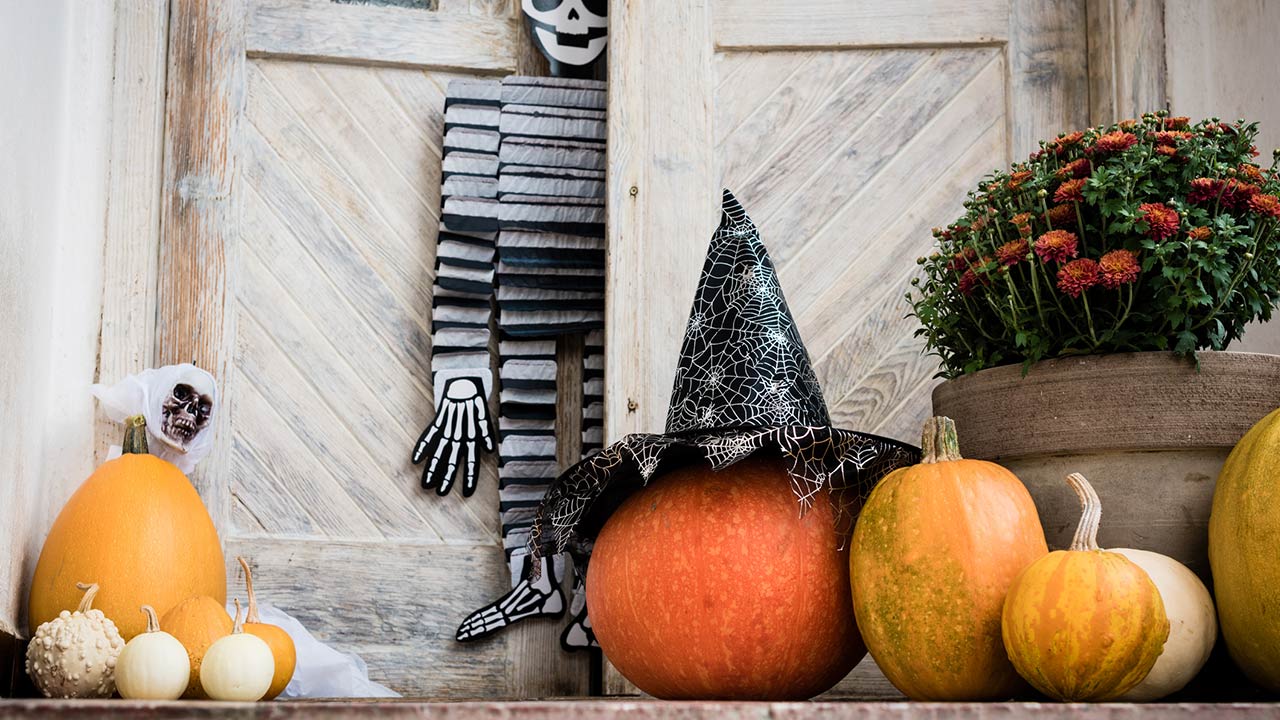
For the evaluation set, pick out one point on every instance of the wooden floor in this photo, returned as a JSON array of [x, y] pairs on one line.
[[619, 709]]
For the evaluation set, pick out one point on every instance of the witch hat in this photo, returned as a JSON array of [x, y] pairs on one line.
[[744, 384]]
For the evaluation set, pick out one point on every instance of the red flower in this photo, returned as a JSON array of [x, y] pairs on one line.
[[1070, 191], [1170, 137], [1012, 252], [1118, 267], [1236, 194], [1179, 122], [1078, 168], [970, 281], [1204, 190], [1162, 220], [1199, 233], [1077, 276], [1017, 179], [1060, 216], [1057, 246], [963, 259], [1066, 141], [1113, 142], [1265, 205]]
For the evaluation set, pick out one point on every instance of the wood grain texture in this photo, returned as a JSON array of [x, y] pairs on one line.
[[1048, 56], [374, 35], [1003, 414], [743, 24], [199, 217], [1126, 59], [131, 246]]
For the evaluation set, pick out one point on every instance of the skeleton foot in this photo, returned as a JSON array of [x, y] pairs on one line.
[[530, 598], [579, 635]]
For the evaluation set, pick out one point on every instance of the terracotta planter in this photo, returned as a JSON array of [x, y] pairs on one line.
[[1147, 429]]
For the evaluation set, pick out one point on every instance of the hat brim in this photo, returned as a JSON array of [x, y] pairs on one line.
[[818, 459]]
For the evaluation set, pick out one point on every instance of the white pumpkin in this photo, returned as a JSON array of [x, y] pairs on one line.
[[1193, 626], [239, 666], [154, 665], [74, 655]]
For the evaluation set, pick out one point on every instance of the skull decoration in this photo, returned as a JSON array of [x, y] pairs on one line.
[[571, 33], [178, 402]]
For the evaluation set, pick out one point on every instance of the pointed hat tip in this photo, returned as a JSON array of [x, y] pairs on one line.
[[730, 206]]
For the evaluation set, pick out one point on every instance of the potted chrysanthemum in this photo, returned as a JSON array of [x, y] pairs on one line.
[[1072, 307]]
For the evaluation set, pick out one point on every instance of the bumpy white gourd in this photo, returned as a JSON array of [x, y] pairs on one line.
[[1193, 626], [239, 666], [154, 665], [74, 655]]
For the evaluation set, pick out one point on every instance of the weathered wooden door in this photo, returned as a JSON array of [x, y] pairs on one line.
[[847, 129], [302, 176]]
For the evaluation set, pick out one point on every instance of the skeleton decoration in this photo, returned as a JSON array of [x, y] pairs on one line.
[[571, 33], [522, 224], [178, 401], [744, 384]]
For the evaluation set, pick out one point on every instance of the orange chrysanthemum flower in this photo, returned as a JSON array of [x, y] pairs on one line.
[[1199, 233], [1012, 252], [1167, 150], [1114, 142], [1170, 137], [1021, 218], [1265, 205], [1060, 216], [1162, 220], [1178, 122], [1078, 168], [1236, 194], [1061, 145], [1057, 246], [1018, 178], [1250, 172], [1118, 267], [1127, 124], [1077, 276], [1070, 191]]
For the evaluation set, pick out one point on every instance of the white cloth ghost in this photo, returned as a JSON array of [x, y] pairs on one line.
[[179, 403]]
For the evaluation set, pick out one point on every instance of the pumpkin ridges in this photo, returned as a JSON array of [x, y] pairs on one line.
[[197, 622]]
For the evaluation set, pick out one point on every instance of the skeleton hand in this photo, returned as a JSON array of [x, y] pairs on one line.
[[462, 420]]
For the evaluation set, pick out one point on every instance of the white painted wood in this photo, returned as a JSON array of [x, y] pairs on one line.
[[1126, 55], [744, 24], [369, 34]]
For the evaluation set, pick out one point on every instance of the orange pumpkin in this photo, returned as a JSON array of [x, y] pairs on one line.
[[139, 529], [283, 650], [710, 584], [1084, 625], [933, 554], [198, 622]]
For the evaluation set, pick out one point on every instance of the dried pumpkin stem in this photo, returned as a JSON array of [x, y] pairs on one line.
[[939, 442], [251, 615], [1086, 537], [153, 623], [135, 436], [90, 591], [237, 625]]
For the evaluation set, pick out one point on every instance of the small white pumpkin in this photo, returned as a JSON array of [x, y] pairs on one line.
[[74, 655], [154, 665], [1193, 626], [239, 666]]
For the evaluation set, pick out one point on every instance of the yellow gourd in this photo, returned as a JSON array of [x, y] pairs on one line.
[[197, 623], [282, 648], [238, 667], [154, 665], [1084, 624]]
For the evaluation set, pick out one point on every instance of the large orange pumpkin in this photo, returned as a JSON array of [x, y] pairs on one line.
[[933, 554], [1084, 624], [137, 528], [712, 585]]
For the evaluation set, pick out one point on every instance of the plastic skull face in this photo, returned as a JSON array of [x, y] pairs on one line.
[[186, 412], [571, 33]]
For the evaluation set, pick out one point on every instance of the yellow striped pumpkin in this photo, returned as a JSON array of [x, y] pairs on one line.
[[1084, 624]]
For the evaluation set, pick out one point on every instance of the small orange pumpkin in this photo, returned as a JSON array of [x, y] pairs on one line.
[[198, 622], [933, 554], [1084, 624], [139, 529], [282, 647]]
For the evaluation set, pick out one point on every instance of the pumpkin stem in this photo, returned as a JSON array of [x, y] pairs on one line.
[[1086, 537], [153, 623], [237, 625], [135, 436], [938, 441], [251, 615], [86, 602]]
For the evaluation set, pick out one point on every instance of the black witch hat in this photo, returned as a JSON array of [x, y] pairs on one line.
[[744, 384]]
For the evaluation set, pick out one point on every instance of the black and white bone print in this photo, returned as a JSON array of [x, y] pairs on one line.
[[522, 224]]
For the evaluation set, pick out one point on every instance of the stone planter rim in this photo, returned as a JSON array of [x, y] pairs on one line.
[[1147, 401]]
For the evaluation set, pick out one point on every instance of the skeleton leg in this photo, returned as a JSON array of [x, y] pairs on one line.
[[529, 598]]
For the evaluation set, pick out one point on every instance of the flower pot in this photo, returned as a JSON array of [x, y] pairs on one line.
[[1148, 430]]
